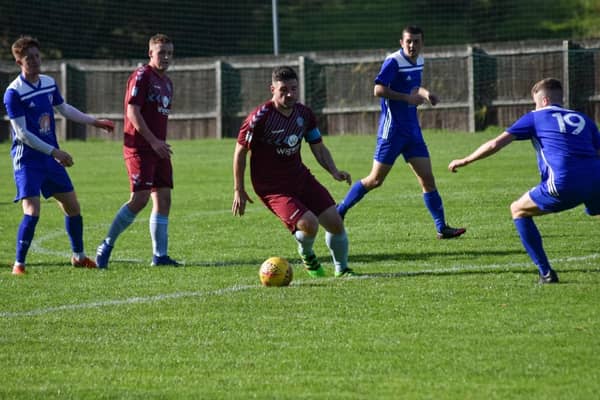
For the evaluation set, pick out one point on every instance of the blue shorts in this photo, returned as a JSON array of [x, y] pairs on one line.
[[31, 180], [388, 150], [587, 194]]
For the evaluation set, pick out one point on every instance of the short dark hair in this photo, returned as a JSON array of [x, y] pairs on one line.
[[283, 73], [413, 30], [22, 44]]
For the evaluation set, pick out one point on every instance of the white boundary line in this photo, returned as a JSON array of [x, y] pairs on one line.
[[239, 288]]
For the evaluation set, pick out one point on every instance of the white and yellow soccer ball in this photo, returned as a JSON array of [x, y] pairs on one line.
[[276, 271]]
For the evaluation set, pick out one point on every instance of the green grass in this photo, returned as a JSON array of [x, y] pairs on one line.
[[457, 319]]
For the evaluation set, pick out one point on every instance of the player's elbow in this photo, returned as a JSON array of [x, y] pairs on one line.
[[378, 90]]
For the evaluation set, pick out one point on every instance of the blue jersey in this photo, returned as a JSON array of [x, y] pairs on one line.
[[400, 74], [35, 103], [566, 143]]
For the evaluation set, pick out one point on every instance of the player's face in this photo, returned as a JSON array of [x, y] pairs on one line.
[[412, 44], [160, 55], [31, 62], [285, 93]]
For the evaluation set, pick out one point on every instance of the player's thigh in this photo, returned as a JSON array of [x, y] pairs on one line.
[[525, 206], [388, 149], [289, 209], [28, 182], [315, 196], [141, 170], [332, 222], [68, 203]]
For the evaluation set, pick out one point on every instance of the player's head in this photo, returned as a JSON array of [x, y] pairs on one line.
[[412, 41], [26, 51], [546, 92], [284, 87], [160, 51]]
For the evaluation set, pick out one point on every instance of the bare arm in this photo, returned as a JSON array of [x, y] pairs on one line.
[[417, 97], [323, 156], [240, 197], [160, 147], [485, 150]]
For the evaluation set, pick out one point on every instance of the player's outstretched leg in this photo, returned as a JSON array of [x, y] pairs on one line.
[[354, 195], [532, 241], [122, 220], [433, 202]]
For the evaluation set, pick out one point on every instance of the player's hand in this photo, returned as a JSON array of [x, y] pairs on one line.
[[162, 148], [62, 157], [240, 197], [105, 124], [342, 176], [433, 99], [417, 97], [455, 164]]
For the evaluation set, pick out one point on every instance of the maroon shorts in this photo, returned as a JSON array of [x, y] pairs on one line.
[[147, 172], [291, 206]]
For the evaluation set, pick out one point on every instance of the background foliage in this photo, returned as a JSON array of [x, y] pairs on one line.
[[119, 29]]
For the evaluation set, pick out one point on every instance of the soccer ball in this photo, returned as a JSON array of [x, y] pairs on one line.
[[276, 271]]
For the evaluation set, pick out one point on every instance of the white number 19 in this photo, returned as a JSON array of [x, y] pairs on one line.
[[571, 119]]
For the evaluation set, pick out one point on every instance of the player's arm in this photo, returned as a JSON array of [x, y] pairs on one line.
[[19, 126], [240, 196], [415, 97], [160, 147], [485, 150], [72, 113], [323, 156]]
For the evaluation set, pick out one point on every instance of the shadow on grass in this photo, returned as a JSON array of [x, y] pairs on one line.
[[475, 271]]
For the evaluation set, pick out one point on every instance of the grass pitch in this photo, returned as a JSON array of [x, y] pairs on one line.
[[456, 319]]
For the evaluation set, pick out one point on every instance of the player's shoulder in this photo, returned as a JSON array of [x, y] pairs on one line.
[[19, 86], [262, 109], [47, 81], [399, 58]]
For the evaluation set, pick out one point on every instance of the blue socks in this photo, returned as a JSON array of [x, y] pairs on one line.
[[74, 228], [159, 232], [532, 241], [354, 195], [338, 247], [25, 236], [122, 220], [433, 202]]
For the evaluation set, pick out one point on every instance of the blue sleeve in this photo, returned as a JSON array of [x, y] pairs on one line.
[[314, 136], [387, 73], [57, 99], [13, 105], [524, 127]]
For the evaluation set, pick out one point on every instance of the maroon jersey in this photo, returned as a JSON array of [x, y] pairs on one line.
[[153, 93], [274, 140]]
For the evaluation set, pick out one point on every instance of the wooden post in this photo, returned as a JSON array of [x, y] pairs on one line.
[[471, 88]]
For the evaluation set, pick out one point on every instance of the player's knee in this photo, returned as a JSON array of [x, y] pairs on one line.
[[308, 224], [372, 182], [515, 210]]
